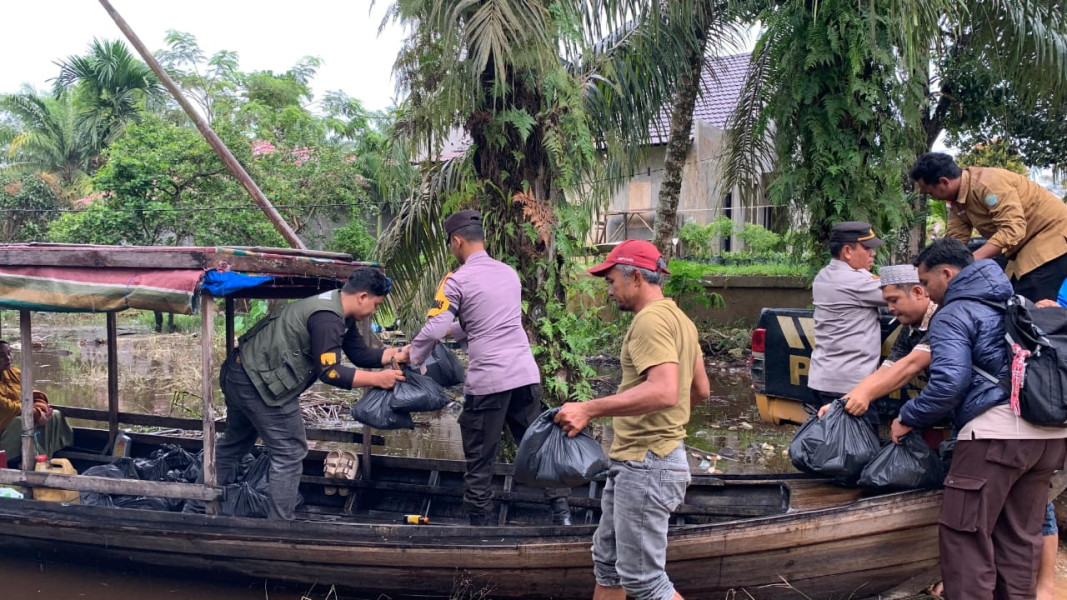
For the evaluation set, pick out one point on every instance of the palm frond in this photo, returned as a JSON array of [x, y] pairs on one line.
[[749, 152], [414, 247]]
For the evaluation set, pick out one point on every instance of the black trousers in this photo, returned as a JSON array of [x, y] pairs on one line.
[[1043, 283], [481, 425]]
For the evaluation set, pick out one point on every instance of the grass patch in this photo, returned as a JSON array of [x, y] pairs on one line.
[[774, 269]]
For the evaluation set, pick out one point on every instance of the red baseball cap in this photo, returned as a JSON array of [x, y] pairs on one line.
[[634, 253]]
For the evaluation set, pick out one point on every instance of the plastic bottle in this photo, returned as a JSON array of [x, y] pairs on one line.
[[122, 445], [42, 463], [415, 520]]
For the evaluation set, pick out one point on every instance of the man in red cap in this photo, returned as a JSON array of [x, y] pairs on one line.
[[662, 374]]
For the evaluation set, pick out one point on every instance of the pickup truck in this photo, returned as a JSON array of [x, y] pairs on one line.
[[781, 354]]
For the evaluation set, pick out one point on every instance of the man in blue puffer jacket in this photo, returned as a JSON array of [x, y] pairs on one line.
[[996, 489]]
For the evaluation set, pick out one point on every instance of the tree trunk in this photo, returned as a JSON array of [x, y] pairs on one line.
[[678, 145]]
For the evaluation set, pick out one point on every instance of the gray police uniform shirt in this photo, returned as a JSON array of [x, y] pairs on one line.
[[485, 295], [848, 335]]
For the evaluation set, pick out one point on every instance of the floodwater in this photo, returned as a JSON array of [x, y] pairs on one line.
[[160, 375]]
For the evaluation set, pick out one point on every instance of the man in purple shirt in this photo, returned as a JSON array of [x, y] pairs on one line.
[[503, 382]]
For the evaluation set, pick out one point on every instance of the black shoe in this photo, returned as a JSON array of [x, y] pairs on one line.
[[479, 520], [561, 512]]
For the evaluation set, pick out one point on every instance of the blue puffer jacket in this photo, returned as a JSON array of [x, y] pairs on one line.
[[964, 333]]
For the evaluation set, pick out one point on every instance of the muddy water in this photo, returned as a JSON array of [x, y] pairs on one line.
[[160, 375]]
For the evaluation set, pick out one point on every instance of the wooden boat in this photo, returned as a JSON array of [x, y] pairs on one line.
[[753, 533]]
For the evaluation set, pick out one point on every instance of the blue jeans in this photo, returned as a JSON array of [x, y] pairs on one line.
[[630, 544], [1049, 526]]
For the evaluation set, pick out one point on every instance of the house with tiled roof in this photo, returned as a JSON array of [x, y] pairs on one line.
[[703, 196]]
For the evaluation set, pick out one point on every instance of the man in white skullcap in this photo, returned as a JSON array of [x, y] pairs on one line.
[[908, 301]]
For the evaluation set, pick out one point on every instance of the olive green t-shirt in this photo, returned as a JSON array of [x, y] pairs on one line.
[[660, 333]]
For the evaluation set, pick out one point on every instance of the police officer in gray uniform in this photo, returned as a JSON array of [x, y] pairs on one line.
[[480, 304], [279, 358], [848, 335]]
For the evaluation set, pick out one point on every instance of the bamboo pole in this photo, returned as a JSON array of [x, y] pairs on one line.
[[112, 379], [207, 376], [29, 430], [216, 144]]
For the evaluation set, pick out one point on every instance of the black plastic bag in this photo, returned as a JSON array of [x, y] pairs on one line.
[[444, 367], [243, 500], [806, 440], [548, 458], [122, 468], [147, 503], [165, 464], [257, 474], [906, 466], [417, 393], [849, 443], [125, 468], [837, 446], [374, 411]]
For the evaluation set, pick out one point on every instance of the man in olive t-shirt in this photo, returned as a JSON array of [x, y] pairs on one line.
[[662, 374]]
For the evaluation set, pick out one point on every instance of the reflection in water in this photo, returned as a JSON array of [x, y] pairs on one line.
[[34, 579]]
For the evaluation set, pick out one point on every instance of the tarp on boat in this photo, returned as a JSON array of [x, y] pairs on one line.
[[86, 289], [89, 278]]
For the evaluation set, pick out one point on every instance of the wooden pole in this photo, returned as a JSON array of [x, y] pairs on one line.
[[220, 148], [229, 326], [29, 448], [112, 379], [207, 407]]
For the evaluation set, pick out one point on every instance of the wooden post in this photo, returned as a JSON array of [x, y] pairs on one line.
[[205, 129], [365, 467], [29, 448], [207, 407], [229, 327], [112, 379]]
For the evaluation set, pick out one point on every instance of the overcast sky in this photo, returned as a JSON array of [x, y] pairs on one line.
[[266, 34]]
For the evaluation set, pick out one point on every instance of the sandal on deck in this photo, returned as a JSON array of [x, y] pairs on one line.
[[331, 468], [348, 468]]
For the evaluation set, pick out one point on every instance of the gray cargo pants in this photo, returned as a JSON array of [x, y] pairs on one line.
[[280, 427]]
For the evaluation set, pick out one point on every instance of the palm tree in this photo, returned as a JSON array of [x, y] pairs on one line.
[[841, 96], [49, 139], [111, 88], [555, 99]]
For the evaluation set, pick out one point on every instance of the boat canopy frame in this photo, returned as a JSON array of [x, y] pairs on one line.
[[185, 280]]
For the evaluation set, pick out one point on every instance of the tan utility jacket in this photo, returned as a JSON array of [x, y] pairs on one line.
[[1028, 222]]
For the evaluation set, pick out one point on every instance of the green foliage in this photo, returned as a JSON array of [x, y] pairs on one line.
[[241, 323], [549, 108], [45, 138], [111, 88], [25, 206], [758, 239], [354, 239], [722, 227], [844, 122], [157, 181], [697, 239], [685, 282], [983, 103], [996, 153]]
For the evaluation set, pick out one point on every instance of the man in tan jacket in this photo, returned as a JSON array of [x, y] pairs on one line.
[[1019, 218]]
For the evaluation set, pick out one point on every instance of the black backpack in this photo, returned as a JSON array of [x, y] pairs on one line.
[[1043, 333]]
